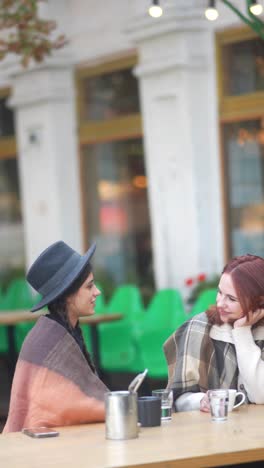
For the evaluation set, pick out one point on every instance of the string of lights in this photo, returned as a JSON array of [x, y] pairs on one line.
[[254, 9]]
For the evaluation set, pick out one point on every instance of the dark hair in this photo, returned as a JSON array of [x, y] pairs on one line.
[[59, 308], [247, 273]]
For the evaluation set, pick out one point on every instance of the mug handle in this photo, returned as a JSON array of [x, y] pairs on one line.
[[242, 399]]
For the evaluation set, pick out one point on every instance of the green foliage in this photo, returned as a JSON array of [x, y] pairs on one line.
[[207, 284], [29, 35]]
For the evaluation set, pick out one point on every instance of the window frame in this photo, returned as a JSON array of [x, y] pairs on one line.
[[91, 132], [233, 109]]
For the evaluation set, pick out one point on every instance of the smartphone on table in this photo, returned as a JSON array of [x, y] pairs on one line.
[[40, 432]]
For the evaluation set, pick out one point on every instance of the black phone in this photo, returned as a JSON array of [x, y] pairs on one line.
[[40, 432]]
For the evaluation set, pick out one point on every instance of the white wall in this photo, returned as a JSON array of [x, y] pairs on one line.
[[96, 29]]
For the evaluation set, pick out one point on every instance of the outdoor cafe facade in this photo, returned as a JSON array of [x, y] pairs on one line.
[[144, 135]]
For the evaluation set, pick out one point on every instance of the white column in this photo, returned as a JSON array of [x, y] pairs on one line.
[[176, 74], [44, 102]]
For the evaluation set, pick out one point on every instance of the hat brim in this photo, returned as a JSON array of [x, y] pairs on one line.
[[67, 282]]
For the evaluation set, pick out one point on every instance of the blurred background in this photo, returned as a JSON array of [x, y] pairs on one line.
[[144, 134]]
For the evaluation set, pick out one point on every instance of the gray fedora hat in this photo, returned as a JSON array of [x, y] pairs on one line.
[[54, 271]]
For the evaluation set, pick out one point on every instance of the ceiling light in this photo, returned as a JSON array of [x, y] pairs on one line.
[[211, 12], [255, 7], [155, 9]]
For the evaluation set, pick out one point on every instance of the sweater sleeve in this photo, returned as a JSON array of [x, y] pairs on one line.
[[250, 364], [189, 401]]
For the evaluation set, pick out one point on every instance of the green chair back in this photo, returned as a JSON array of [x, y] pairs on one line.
[[164, 315], [100, 308], [23, 328], [19, 295], [118, 346], [126, 300], [100, 305], [3, 329], [206, 299]]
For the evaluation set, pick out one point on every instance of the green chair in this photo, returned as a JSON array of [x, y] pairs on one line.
[[86, 332], [164, 315], [100, 307], [3, 329], [23, 328], [19, 295], [126, 300], [118, 346], [206, 299]]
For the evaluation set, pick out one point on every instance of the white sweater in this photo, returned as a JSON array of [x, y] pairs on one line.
[[250, 364]]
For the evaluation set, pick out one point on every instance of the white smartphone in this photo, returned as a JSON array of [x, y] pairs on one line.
[[40, 432]]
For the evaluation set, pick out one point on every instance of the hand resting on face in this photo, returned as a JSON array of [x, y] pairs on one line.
[[253, 317]]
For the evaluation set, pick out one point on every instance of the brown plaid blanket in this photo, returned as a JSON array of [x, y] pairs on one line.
[[196, 362]]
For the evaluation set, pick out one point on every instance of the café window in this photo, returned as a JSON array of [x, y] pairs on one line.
[[6, 119], [11, 225], [244, 153], [243, 67], [110, 95], [114, 180], [241, 103], [116, 201]]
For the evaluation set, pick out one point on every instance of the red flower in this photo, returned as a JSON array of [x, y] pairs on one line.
[[188, 282], [201, 277]]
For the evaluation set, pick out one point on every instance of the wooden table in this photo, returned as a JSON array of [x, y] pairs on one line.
[[12, 318], [191, 439]]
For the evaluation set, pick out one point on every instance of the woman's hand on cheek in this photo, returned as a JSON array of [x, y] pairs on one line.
[[253, 317], [205, 404]]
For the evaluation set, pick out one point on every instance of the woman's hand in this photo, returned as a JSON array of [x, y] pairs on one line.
[[205, 404], [253, 317]]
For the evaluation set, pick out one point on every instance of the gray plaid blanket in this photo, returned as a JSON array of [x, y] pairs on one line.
[[202, 363]]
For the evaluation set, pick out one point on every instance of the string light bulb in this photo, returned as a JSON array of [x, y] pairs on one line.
[[211, 12], [155, 9], [256, 8]]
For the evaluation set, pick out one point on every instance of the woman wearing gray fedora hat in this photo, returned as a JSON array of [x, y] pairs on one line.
[[55, 382]]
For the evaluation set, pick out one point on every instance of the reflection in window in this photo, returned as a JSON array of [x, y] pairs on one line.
[[243, 67], [117, 207], [244, 153], [11, 229], [110, 95], [6, 119]]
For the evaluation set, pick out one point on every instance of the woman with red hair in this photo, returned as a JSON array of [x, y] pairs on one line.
[[224, 346]]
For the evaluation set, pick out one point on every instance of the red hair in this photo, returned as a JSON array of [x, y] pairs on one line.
[[247, 274]]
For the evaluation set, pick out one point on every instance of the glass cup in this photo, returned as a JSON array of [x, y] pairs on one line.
[[166, 397], [218, 404]]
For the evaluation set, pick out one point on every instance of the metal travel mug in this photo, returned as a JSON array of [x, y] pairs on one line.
[[121, 415]]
